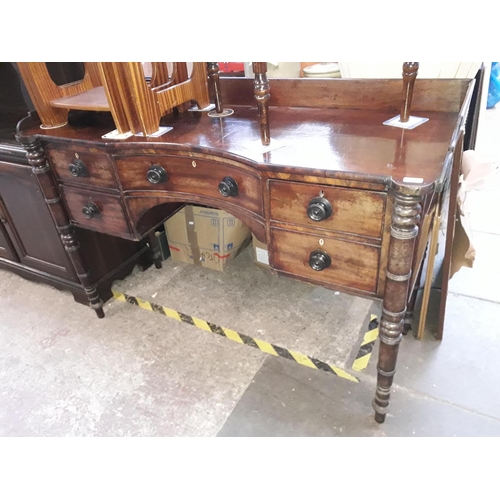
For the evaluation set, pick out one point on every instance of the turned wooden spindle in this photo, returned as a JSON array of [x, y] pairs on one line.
[[410, 70], [262, 95], [213, 75]]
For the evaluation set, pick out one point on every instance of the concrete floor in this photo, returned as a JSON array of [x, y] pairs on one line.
[[63, 372]]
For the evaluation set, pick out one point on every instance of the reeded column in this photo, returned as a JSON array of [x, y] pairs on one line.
[[404, 231], [41, 168], [262, 95]]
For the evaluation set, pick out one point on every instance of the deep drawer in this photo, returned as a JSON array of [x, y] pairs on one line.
[[353, 265], [101, 212]]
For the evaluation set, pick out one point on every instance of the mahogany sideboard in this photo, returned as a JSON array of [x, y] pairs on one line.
[[342, 203]]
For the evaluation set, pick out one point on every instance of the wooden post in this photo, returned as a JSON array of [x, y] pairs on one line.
[[404, 231], [410, 70], [213, 75], [262, 95]]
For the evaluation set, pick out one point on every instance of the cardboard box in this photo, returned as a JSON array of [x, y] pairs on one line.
[[260, 253], [205, 236]]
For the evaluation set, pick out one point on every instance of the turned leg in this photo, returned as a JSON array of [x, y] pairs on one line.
[[46, 181], [155, 249], [213, 75], [410, 71], [404, 230], [262, 95]]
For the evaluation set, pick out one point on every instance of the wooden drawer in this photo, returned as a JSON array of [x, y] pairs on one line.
[[108, 216], [353, 265], [353, 211], [98, 169], [195, 177]]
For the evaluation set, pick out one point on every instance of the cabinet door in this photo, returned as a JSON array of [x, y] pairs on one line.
[[31, 228], [6, 247]]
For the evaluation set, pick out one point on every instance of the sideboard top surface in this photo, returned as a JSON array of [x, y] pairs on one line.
[[327, 142]]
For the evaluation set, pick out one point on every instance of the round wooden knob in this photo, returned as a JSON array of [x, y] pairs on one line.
[[90, 210], [78, 169], [319, 260], [157, 175], [228, 187], [319, 209]]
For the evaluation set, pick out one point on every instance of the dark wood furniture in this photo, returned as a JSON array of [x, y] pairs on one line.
[[30, 244], [344, 203]]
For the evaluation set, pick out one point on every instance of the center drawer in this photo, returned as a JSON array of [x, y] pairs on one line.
[[191, 176], [345, 210]]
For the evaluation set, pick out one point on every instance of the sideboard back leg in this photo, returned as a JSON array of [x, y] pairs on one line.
[[404, 230], [41, 168], [155, 249]]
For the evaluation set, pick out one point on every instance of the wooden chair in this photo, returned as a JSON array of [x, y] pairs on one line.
[[120, 88]]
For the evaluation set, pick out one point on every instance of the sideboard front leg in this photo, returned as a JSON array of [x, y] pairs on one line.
[[41, 168], [404, 230]]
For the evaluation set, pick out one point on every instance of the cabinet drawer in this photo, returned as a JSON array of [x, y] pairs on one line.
[[87, 169], [191, 176], [352, 210], [97, 211], [352, 265]]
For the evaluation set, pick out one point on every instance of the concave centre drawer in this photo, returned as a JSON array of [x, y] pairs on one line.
[[332, 208], [191, 176], [348, 264]]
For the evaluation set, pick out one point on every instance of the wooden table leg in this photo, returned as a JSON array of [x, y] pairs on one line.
[[41, 168], [404, 230], [155, 249]]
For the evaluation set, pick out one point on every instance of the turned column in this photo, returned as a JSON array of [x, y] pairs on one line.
[[410, 71], [404, 231], [262, 95], [41, 168]]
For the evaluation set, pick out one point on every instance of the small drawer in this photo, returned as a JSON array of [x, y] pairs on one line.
[[332, 208], [196, 177], [336, 262], [88, 169], [96, 211]]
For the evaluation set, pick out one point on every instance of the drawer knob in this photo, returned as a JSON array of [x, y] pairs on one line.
[[78, 169], [157, 175], [319, 209], [319, 260], [228, 187], [90, 210]]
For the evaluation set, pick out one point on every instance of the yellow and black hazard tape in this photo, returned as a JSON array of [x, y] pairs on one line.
[[263, 346], [367, 345]]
